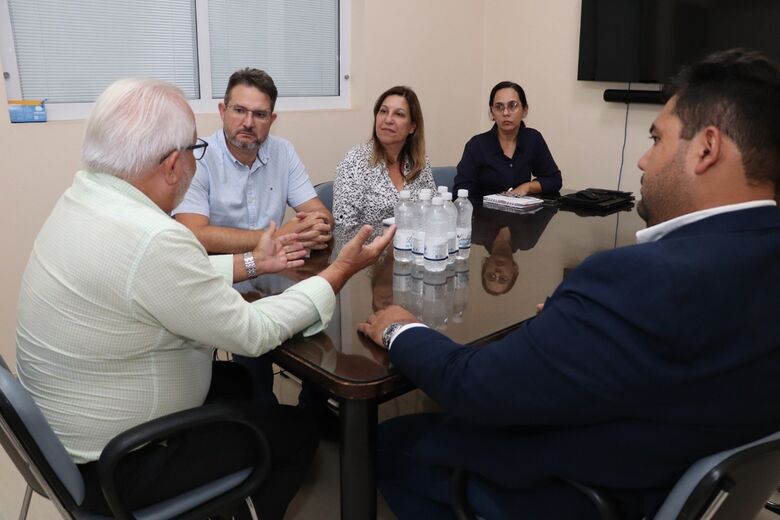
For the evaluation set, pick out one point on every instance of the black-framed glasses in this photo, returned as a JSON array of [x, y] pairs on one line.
[[198, 150]]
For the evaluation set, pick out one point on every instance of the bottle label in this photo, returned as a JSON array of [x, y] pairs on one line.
[[464, 238], [402, 240], [436, 252], [418, 243]]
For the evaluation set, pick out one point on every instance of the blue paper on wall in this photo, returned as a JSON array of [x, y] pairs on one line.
[[27, 111]]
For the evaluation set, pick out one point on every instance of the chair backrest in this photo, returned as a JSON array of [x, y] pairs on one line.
[[444, 176], [325, 193], [33, 446], [734, 483]]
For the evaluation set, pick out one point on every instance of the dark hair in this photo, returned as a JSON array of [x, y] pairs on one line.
[[738, 92], [508, 84], [253, 78], [414, 147]]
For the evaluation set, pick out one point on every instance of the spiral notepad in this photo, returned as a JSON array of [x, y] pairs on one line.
[[513, 204]]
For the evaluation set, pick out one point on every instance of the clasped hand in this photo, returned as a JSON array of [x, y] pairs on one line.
[[312, 228]]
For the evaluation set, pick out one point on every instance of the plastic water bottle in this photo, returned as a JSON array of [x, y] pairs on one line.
[[404, 219], [418, 237], [465, 210], [436, 223], [452, 237]]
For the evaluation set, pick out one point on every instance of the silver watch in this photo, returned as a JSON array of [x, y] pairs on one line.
[[389, 332], [249, 265]]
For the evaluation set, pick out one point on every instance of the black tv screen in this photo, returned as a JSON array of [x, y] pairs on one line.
[[648, 40]]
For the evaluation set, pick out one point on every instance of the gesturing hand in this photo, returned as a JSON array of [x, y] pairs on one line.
[[355, 255], [277, 254]]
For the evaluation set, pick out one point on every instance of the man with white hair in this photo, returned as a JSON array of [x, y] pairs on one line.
[[120, 306]]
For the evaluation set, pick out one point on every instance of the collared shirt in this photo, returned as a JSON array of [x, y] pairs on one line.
[[485, 170], [232, 194], [120, 307], [658, 231]]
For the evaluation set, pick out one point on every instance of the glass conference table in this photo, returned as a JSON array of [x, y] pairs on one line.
[[516, 261]]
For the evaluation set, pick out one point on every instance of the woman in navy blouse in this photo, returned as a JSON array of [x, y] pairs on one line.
[[510, 157]]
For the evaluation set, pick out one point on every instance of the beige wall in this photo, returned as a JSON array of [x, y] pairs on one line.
[[450, 51]]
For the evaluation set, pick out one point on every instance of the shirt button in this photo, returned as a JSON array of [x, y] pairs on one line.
[[510, 165]]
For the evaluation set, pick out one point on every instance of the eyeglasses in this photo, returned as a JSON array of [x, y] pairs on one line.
[[198, 150], [239, 112], [497, 277], [512, 106]]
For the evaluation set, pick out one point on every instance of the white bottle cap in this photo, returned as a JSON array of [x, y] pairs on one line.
[[442, 189], [405, 194], [425, 194], [446, 196], [463, 193], [437, 201]]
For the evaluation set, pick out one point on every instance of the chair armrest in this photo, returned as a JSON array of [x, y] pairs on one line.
[[603, 502], [460, 503], [163, 427]]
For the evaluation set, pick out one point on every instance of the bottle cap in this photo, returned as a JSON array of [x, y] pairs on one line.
[[463, 193], [437, 201], [405, 194], [442, 189], [446, 196]]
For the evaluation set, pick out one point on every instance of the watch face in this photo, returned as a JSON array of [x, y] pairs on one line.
[[388, 333]]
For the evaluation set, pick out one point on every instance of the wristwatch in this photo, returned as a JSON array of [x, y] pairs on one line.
[[389, 332], [249, 265]]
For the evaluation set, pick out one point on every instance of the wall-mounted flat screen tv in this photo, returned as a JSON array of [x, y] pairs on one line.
[[648, 40]]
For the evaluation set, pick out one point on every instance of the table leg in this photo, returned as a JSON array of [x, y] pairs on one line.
[[358, 419]]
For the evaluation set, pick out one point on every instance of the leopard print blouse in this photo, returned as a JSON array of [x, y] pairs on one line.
[[364, 194]]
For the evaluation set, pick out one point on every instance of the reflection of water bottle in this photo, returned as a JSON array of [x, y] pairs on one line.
[[465, 210], [452, 237], [402, 242], [461, 295], [402, 284], [416, 291], [418, 236], [436, 300], [436, 222]]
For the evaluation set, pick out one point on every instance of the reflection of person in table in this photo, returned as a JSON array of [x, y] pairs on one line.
[[502, 234], [382, 283]]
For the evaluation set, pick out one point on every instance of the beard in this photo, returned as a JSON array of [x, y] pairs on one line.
[[664, 194], [253, 144]]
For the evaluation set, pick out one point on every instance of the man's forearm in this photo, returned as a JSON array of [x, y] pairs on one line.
[[336, 275], [217, 239]]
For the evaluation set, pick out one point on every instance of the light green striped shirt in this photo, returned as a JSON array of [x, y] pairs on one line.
[[120, 307]]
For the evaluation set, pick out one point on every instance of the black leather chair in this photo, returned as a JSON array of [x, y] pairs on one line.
[[48, 469], [444, 176], [731, 485], [325, 193]]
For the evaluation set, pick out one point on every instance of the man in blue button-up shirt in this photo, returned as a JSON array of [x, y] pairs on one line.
[[248, 177], [245, 180]]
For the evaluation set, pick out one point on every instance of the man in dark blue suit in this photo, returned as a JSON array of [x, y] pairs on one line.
[[645, 359]]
